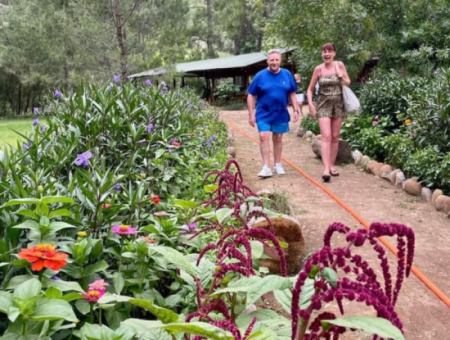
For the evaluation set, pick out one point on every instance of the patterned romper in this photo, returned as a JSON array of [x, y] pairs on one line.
[[329, 102]]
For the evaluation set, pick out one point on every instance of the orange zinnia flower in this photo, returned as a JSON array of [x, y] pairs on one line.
[[44, 255], [408, 121]]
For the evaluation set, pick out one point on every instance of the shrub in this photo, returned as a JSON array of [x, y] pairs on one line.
[[310, 124], [226, 90], [398, 149], [425, 163]]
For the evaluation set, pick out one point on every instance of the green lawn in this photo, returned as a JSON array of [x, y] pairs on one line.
[[7, 135]]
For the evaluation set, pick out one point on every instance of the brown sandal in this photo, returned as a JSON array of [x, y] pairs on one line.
[[334, 173]]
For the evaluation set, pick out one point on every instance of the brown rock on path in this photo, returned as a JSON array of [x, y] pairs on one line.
[[412, 187], [436, 194], [374, 200]]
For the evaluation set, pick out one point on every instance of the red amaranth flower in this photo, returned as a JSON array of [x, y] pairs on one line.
[[155, 199], [44, 256]]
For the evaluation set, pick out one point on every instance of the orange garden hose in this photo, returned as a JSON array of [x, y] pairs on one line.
[[386, 243]]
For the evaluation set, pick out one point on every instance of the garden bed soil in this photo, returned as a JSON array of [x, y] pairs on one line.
[[423, 314]]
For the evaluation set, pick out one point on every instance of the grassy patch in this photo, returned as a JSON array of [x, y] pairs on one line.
[[8, 128]]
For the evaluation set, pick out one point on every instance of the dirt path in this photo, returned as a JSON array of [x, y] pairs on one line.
[[424, 315]]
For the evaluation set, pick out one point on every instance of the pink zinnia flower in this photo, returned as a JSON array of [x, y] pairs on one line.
[[123, 230], [160, 213], [176, 144], [376, 117], [93, 295], [374, 123], [98, 285]]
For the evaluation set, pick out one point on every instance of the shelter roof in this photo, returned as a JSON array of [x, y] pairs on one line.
[[193, 67]]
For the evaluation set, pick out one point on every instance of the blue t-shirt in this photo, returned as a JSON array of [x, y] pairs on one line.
[[272, 91]]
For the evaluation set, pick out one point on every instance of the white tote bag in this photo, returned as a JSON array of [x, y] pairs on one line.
[[351, 102]]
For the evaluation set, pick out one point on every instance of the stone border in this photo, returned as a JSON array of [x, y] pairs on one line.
[[396, 177]]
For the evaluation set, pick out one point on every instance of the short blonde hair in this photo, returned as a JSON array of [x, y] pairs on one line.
[[273, 51]]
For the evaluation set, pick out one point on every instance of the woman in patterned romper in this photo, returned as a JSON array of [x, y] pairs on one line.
[[329, 108]]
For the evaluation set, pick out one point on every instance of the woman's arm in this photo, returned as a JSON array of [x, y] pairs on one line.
[[309, 93], [343, 74]]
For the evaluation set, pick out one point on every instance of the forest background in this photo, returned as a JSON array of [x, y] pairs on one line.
[[49, 44]]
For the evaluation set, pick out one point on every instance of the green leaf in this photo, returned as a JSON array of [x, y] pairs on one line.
[[199, 328], [83, 306], [57, 226], [28, 224], [371, 325], [257, 249], [72, 297], [44, 221], [17, 280], [53, 293], [6, 301], [265, 333], [267, 284], [186, 204], [28, 289], [53, 310], [22, 201], [91, 332], [63, 286], [330, 275], [118, 282], [28, 213], [159, 153], [57, 199], [163, 314], [210, 188], [175, 257], [60, 212], [223, 214], [96, 267]]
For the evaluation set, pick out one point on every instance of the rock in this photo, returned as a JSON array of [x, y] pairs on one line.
[[369, 165], [364, 161], [412, 187], [316, 147], [385, 171], [231, 150], [358, 160], [230, 139], [344, 151], [443, 204], [308, 140], [436, 194], [356, 154], [289, 231], [375, 168], [426, 194], [299, 132], [393, 175], [399, 179], [319, 137], [309, 134]]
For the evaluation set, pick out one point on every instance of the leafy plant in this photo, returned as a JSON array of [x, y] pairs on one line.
[[310, 124], [356, 282]]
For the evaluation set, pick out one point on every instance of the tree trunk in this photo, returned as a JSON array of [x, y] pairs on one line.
[[262, 27], [209, 37], [19, 97], [121, 40]]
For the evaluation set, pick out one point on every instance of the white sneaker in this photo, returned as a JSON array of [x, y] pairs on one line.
[[265, 172], [279, 169]]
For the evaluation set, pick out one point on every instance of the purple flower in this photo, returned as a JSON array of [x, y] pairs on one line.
[[55, 278], [116, 78], [190, 106], [109, 88], [43, 128], [148, 82], [164, 85], [142, 141], [26, 146], [208, 144], [83, 159], [170, 151], [436, 73], [35, 110], [213, 137], [149, 128], [118, 188], [35, 122], [57, 94]]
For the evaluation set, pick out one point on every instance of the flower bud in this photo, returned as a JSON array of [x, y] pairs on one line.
[[40, 188]]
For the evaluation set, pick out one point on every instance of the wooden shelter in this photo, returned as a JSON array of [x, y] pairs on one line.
[[239, 67]]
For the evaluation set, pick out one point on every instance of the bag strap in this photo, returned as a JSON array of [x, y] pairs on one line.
[[336, 69]]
